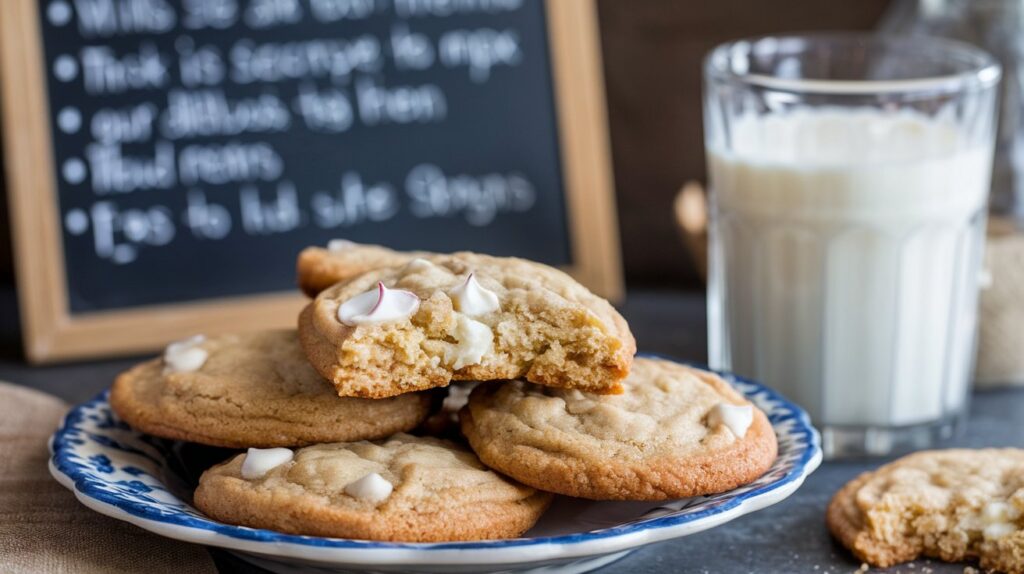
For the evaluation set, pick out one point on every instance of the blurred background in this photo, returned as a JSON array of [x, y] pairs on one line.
[[652, 51], [652, 55]]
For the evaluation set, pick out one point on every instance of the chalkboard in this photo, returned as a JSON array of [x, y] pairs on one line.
[[186, 150]]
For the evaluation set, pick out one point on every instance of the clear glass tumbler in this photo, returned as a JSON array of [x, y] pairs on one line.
[[849, 182]]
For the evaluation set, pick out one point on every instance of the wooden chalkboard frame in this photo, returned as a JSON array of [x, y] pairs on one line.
[[50, 332]]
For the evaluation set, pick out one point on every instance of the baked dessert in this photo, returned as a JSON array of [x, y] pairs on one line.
[[251, 390], [403, 489], [954, 505], [464, 317], [674, 432]]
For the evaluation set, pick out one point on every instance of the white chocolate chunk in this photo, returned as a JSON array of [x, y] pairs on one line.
[[372, 488], [998, 530], [458, 397], [997, 520], [996, 511], [185, 361], [185, 356], [474, 341], [737, 418], [473, 299], [380, 305], [183, 344], [259, 461], [340, 245], [417, 265]]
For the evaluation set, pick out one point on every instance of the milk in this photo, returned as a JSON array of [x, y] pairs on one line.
[[845, 252]]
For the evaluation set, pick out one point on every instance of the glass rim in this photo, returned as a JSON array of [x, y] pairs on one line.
[[982, 70]]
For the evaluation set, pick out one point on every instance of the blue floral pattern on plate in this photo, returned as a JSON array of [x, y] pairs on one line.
[[139, 478]]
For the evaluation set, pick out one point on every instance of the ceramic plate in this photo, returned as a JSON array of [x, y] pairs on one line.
[[148, 482]]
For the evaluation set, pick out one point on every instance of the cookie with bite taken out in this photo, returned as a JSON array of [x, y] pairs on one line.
[[954, 505], [464, 316]]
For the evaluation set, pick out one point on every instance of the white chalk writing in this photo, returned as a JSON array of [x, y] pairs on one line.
[[212, 115]]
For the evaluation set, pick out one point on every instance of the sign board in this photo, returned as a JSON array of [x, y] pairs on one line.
[[168, 159]]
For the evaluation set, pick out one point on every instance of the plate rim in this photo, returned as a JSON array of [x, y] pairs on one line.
[[340, 550]]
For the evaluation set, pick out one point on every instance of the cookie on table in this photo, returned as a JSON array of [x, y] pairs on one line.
[[319, 268], [406, 488], [675, 432], [251, 390], [464, 317], [954, 505]]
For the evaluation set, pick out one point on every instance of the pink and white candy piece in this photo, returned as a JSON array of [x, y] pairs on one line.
[[473, 299], [380, 305]]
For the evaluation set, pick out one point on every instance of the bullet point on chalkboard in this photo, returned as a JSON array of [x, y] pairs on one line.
[[73, 171], [58, 13], [123, 254], [69, 120], [76, 221], [65, 68]]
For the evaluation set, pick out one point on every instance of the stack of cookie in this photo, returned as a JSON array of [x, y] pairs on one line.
[[562, 406]]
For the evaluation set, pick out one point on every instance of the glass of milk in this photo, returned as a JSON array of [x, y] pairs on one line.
[[849, 178]]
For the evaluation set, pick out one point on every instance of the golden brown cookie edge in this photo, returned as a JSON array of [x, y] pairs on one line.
[[230, 500], [657, 479], [150, 420]]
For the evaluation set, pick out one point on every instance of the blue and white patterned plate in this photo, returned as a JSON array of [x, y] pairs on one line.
[[148, 482]]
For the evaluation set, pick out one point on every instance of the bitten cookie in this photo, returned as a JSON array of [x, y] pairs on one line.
[[464, 317], [404, 489], [675, 432], [953, 505], [252, 390], [318, 268]]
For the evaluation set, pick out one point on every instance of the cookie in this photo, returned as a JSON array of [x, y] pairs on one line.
[[464, 317], [405, 489], [319, 268], [953, 505], [251, 390], [675, 432]]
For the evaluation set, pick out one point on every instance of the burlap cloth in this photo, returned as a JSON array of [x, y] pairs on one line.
[[44, 529], [1001, 309]]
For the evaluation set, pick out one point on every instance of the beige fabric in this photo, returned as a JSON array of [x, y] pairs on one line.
[[1001, 309], [44, 529]]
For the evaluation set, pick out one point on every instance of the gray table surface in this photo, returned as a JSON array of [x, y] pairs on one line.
[[788, 537]]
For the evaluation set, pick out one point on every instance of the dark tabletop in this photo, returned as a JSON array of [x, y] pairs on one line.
[[788, 537]]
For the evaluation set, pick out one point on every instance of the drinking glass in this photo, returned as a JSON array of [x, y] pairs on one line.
[[849, 183]]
